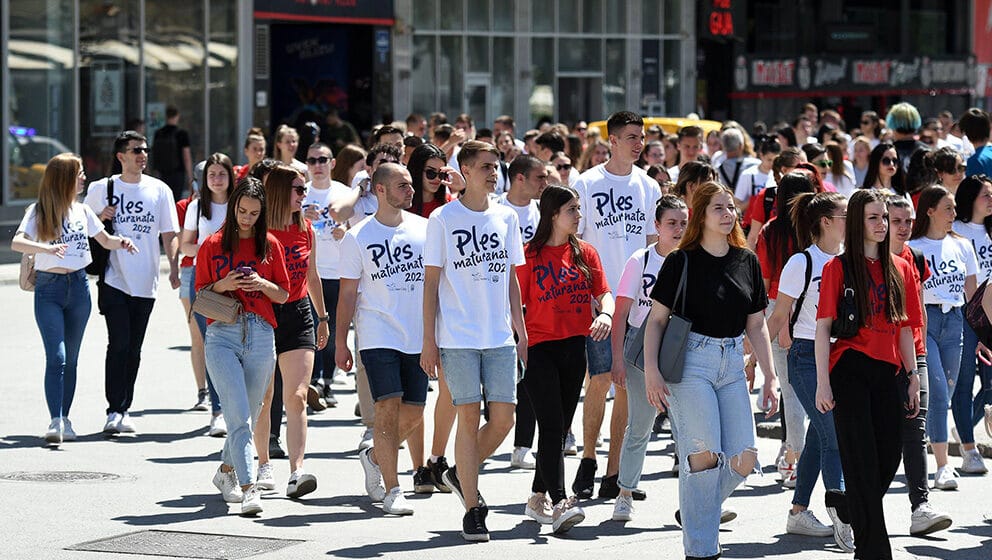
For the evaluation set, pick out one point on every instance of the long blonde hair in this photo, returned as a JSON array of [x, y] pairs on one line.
[[56, 194], [278, 193], [281, 132]]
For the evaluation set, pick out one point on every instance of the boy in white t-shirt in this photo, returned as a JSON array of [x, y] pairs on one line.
[[528, 178], [471, 297], [382, 275]]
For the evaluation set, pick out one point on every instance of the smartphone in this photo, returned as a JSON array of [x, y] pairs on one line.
[[245, 270]]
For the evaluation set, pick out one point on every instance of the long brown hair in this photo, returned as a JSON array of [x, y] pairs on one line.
[[553, 199], [343, 161], [225, 162], [854, 257], [701, 198], [781, 240], [807, 211], [930, 197], [279, 192], [56, 194], [249, 187]]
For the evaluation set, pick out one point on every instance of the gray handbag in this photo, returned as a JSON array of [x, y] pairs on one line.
[[671, 356]]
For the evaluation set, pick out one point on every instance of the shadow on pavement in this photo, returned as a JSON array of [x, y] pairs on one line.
[[983, 550], [785, 546], [364, 509], [210, 507], [211, 458]]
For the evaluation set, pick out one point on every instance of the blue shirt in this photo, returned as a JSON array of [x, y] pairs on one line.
[[980, 162]]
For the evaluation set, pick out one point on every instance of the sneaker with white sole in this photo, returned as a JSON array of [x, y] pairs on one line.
[[366, 439], [570, 449], [943, 479], [127, 424], [68, 434], [113, 425], [805, 523], [623, 509], [218, 427], [519, 458], [567, 514], [300, 484], [539, 508], [227, 483], [373, 476], [54, 433], [925, 520], [251, 501], [790, 482], [266, 480], [972, 462], [843, 533], [202, 400], [395, 503]]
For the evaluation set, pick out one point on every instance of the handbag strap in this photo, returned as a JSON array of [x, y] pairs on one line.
[[680, 291]]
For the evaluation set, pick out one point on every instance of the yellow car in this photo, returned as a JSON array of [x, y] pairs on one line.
[[670, 125]]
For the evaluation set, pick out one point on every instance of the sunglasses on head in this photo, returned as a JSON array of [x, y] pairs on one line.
[[563, 166], [431, 174], [300, 189], [889, 161], [315, 160], [139, 150]]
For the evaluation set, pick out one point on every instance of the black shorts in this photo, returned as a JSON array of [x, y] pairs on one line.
[[294, 330]]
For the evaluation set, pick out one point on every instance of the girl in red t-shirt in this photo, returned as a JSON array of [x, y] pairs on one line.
[[245, 262], [856, 376], [560, 285]]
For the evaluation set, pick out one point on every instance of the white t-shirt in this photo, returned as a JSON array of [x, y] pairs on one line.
[[637, 281], [476, 252], [980, 242], [366, 206], [388, 263], [951, 259], [356, 181], [617, 215], [80, 224], [843, 183], [528, 216], [328, 248], [673, 173], [725, 170], [791, 283], [144, 211], [204, 227], [751, 181]]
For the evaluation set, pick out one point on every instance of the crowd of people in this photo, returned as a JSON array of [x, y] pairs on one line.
[[517, 274]]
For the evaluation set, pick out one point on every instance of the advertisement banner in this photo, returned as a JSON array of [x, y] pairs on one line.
[[368, 12]]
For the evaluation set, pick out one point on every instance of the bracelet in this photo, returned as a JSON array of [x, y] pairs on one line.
[[324, 319], [607, 314]]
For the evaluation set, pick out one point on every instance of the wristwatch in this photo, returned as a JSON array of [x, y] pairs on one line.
[[324, 319]]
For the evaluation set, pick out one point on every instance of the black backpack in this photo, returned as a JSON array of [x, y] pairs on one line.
[[165, 149], [101, 255]]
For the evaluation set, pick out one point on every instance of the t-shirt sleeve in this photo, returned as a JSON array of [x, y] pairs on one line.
[[192, 216], [742, 191], [600, 285], [668, 279], [182, 139], [831, 282], [96, 196], [28, 224], [793, 278], [350, 265], [204, 257], [277, 261], [169, 221], [759, 297], [580, 187], [523, 278], [93, 223], [630, 278], [651, 195], [434, 245], [913, 307], [757, 207], [515, 243], [970, 258]]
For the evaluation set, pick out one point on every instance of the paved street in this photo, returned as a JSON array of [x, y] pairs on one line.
[[162, 479]]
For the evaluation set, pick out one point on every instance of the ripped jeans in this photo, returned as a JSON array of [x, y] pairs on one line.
[[711, 412]]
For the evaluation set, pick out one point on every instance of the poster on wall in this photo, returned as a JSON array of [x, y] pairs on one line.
[[154, 118], [108, 99]]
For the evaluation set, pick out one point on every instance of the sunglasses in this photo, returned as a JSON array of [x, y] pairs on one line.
[[140, 150], [889, 161], [961, 167], [315, 160], [824, 163], [300, 189], [563, 166], [431, 174]]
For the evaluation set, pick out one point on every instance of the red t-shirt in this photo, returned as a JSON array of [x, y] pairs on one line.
[[296, 245], [556, 293], [919, 337], [434, 205], [756, 209], [181, 212], [768, 272], [214, 264], [879, 338], [240, 172]]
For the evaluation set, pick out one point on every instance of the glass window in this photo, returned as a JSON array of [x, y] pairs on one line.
[[223, 85], [422, 81], [543, 16], [616, 17], [425, 15], [503, 75], [504, 15], [451, 75], [42, 88], [615, 77], [478, 54], [592, 16], [478, 14], [542, 97], [671, 77], [651, 16], [568, 16], [579, 55], [673, 16], [453, 14]]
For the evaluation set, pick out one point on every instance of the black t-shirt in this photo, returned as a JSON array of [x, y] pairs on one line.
[[905, 149], [720, 291]]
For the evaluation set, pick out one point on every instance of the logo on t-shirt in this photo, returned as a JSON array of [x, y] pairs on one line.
[[948, 273], [527, 232], [647, 283], [131, 212], [565, 281], [325, 224], [614, 209], [400, 261], [476, 248], [296, 263]]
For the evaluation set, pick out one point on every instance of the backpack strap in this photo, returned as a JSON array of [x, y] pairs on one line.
[[919, 261], [768, 203], [802, 297]]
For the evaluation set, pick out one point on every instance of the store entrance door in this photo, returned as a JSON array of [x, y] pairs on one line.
[[580, 99], [477, 99]]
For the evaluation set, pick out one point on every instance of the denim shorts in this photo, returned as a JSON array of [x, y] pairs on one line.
[[599, 356], [294, 326], [186, 278], [468, 370], [392, 374]]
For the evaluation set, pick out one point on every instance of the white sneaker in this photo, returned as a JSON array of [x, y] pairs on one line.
[[113, 425], [54, 433], [943, 479], [227, 483], [218, 427], [785, 469], [570, 449], [954, 435], [972, 462], [373, 476], [68, 434], [395, 503], [300, 484], [265, 480], [251, 502], [539, 508], [599, 440], [366, 439], [805, 523], [127, 425], [791, 481], [925, 520], [843, 534], [623, 509], [519, 458], [567, 514]]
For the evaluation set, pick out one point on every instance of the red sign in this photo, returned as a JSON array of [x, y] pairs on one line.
[[720, 20], [983, 31], [772, 72]]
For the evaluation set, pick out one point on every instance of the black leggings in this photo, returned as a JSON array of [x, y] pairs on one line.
[[914, 443], [868, 416], [553, 381]]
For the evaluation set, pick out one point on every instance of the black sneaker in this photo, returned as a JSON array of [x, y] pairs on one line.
[[436, 471], [329, 398], [474, 525], [314, 399], [609, 488], [585, 479], [422, 483], [202, 400], [450, 477], [275, 448], [659, 422]]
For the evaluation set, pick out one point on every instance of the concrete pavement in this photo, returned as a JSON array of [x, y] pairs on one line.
[[161, 480]]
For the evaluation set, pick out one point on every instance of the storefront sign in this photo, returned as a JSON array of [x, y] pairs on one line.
[[107, 93], [367, 12], [723, 19]]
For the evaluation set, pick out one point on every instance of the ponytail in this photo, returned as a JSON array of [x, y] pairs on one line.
[[806, 212]]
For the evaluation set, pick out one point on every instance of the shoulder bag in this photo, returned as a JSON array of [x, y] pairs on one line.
[[100, 255], [847, 323], [28, 273], [974, 313]]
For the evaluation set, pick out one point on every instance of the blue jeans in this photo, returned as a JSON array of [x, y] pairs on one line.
[[969, 411], [943, 364], [712, 411], [201, 322], [820, 454], [640, 420], [241, 358], [61, 308]]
